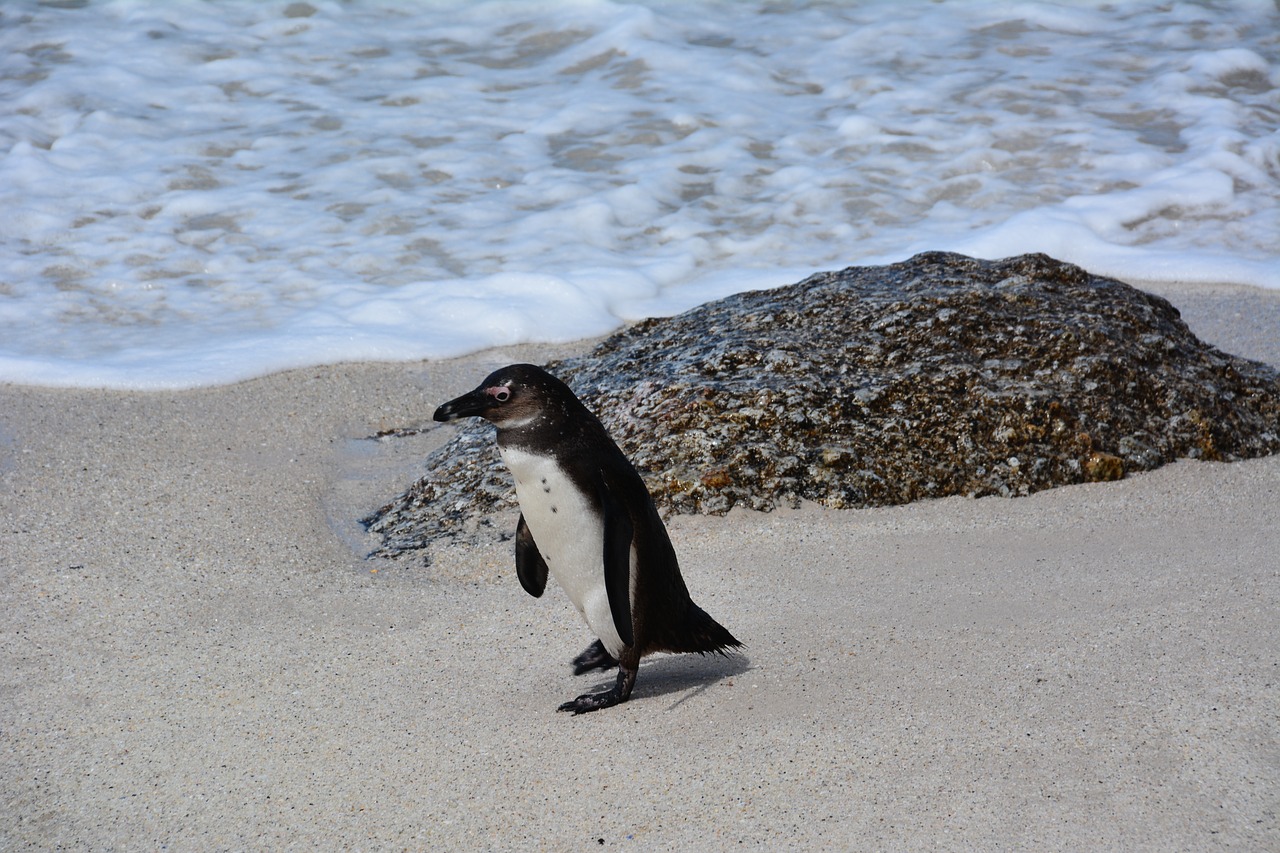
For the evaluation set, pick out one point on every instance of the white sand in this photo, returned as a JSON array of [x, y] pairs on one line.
[[194, 658]]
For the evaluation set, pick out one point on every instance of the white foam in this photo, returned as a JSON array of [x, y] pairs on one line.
[[200, 192]]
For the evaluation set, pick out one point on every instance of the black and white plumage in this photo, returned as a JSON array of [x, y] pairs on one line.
[[588, 520]]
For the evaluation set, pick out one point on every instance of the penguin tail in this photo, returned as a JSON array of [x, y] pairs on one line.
[[705, 635]]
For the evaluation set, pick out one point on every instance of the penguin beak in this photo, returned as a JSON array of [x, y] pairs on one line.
[[474, 404]]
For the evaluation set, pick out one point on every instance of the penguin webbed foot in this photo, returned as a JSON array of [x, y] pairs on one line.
[[593, 656], [616, 695]]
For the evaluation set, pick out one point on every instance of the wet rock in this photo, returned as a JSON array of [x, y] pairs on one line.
[[942, 375]]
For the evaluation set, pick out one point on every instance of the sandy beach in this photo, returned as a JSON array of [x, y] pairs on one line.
[[196, 656]]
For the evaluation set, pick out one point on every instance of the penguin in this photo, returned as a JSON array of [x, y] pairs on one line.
[[587, 519]]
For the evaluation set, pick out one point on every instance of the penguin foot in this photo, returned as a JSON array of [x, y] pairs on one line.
[[593, 657], [588, 702]]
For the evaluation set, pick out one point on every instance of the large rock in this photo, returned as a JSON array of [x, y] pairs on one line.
[[943, 375]]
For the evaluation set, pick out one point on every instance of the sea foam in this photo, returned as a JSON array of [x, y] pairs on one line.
[[200, 192]]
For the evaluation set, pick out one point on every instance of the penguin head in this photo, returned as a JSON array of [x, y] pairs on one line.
[[512, 396]]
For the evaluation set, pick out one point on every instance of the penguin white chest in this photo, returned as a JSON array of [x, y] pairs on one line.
[[568, 528]]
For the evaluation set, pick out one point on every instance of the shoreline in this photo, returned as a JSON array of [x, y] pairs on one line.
[[196, 654], [1249, 329]]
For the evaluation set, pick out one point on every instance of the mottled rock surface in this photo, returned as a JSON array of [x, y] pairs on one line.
[[942, 375]]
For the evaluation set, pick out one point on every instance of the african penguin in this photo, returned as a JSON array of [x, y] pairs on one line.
[[588, 519]]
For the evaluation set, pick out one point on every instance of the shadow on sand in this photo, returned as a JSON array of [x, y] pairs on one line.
[[664, 675]]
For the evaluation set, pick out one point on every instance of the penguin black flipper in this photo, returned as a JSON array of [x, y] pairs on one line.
[[530, 567], [618, 532]]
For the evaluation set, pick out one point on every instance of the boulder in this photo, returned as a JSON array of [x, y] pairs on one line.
[[942, 375]]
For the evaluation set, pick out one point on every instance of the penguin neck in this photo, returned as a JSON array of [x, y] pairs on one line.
[[547, 433], [542, 434]]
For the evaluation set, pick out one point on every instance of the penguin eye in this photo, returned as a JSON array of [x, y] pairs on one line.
[[501, 393]]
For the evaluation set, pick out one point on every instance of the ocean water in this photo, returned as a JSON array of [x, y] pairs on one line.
[[194, 193]]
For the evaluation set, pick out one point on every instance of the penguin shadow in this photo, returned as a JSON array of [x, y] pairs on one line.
[[690, 674]]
